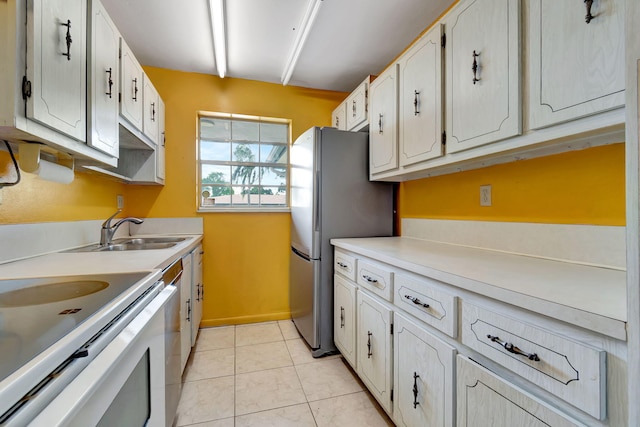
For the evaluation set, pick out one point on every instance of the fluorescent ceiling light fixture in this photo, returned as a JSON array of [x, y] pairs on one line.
[[305, 28], [216, 9]]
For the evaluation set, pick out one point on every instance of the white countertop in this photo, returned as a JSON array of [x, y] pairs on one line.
[[73, 263], [586, 296]]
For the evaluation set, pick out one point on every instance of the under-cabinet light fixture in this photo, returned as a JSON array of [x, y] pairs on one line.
[[218, 31], [305, 28]]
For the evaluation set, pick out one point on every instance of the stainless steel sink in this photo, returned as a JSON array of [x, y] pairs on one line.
[[133, 244], [145, 240]]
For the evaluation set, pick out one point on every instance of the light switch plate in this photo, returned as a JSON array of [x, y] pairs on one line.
[[120, 201]]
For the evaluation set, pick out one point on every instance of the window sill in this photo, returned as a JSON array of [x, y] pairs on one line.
[[244, 210]]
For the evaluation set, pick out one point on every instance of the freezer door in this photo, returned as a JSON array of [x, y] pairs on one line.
[[303, 289], [304, 194]]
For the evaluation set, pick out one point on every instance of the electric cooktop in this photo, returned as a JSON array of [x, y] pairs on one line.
[[36, 313]]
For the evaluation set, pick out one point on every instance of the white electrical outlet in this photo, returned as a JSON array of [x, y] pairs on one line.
[[120, 201], [485, 195]]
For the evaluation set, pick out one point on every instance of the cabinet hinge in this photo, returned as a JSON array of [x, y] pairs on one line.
[[392, 329], [392, 395], [443, 40], [119, 98], [26, 88], [444, 137]]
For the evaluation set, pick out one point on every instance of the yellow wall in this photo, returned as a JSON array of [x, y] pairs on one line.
[[34, 200], [579, 187], [246, 261]]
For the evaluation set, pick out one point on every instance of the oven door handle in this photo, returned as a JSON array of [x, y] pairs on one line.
[[63, 409]]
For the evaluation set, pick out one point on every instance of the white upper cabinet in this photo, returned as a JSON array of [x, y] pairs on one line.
[[576, 68], [57, 65], [131, 87], [160, 149], [482, 73], [357, 106], [150, 111], [104, 73], [383, 122], [420, 118], [339, 117]]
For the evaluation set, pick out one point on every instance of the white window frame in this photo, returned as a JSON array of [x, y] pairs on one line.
[[202, 207]]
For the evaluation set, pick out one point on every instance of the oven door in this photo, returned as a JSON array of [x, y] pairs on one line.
[[125, 384]]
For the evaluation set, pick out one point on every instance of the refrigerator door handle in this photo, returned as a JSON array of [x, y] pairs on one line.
[[300, 254], [316, 217]]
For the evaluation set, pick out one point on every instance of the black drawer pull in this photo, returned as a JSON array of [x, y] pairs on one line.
[[416, 301], [513, 349], [369, 279], [369, 353], [341, 264], [415, 390]]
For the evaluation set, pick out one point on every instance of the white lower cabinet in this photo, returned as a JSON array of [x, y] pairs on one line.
[[423, 376], [403, 346], [374, 347], [344, 319], [484, 399], [185, 310], [197, 292]]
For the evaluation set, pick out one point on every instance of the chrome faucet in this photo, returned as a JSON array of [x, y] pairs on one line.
[[108, 230]]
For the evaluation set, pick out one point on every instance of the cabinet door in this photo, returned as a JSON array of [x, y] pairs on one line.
[[339, 117], [150, 111], [197, 293], [186, 283], [484, 399], [383, 129], [423, 377], [374, 347], [420, 101], [356, 106], [57, 65], [160, 148], [131, 85], [344, 318], [576, 68], [105, 39], [483, 106]]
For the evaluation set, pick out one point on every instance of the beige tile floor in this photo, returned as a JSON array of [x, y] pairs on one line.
[[263, 375]]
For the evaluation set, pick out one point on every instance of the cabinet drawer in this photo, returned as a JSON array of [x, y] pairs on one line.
[[485, 399], [570, 370], [375, 278], [345, 265], [433, 306]]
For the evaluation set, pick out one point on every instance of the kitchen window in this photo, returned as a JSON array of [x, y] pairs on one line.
[[243, 163]]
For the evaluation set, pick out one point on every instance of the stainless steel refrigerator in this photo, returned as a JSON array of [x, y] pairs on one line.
[[331, 197]]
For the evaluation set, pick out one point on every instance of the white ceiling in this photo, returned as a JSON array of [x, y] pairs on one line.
[[349, 39]]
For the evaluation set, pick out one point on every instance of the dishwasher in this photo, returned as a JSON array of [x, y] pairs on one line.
[[172, 276]]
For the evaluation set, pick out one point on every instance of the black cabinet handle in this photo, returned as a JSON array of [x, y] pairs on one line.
[[380, 124], [353, 108], [415, 103], [189, 310], [416, 301], [369, 279], [474, 67], [341, 264], [513, 349], [369, 353], [109, 82], [153, 111], [589, 16], [135, 89], [68, 39], [415, 390], [341, 317]]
